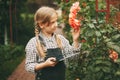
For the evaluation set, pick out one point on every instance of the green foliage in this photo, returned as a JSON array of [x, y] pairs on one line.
[[22, 26], [99, 37], [10, 57], [26, 29]]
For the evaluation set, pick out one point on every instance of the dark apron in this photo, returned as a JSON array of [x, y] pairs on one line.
[[53, 73]]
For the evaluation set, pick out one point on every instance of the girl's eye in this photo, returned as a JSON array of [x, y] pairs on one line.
[[53, 22]]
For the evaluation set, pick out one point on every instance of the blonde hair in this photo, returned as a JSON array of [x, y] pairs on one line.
[[44, 15]]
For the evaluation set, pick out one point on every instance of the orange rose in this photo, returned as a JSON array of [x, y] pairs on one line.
[[74, 23], [113, 55]]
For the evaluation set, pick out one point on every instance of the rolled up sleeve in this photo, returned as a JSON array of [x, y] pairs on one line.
[[68, 49], [31, 56], [76, 49]]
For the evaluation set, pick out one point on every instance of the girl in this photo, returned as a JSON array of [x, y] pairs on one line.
[[45, 51]]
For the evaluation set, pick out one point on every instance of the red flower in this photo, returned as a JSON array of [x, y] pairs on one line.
[[67, 0], [113, 55], [74, 23], [83, 40]]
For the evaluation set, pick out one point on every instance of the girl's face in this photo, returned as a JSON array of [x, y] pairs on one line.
[[50, 28]]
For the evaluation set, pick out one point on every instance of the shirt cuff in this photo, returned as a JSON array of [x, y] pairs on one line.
[[77, 49], [31, 67]]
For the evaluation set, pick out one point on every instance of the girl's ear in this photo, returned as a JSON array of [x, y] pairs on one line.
[[43, 25], [40, 25]]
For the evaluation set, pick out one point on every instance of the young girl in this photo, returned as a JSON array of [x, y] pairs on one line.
[[46, 51]]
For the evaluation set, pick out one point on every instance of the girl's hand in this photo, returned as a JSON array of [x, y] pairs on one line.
[[51, 62], [75, 34]]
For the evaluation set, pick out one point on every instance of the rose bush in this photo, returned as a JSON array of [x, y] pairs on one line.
[[96, 62]]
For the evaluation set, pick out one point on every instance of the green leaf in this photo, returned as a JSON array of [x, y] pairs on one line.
[[106, 69], [97, 69], [98, 33], [102, 63], [116, 36], [91, 25], [113, 46], [118, 60], [90, 32], [117, 73], [91, 0]]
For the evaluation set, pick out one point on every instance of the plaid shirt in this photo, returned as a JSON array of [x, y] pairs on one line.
[[32, 55]]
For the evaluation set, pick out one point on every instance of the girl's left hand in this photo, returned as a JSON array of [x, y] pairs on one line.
[[76, 34]]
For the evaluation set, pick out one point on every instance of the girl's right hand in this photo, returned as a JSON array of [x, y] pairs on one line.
[[51, 62]]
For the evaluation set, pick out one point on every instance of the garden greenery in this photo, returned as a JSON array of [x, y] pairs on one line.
[[10, 57], [97, 39]]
